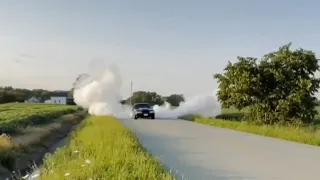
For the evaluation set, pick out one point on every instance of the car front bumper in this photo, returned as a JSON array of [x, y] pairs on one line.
[[144, 115]]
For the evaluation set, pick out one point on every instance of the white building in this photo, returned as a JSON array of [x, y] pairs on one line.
[[57, 100], [48, 101]]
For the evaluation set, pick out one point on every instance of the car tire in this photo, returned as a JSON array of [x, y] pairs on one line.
[[134, 117], [152, 117]]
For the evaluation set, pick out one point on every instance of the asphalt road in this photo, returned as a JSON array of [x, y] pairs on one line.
[[200, 152]]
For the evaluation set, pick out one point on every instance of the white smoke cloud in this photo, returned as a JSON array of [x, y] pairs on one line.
[[99, 92], [204, 105]]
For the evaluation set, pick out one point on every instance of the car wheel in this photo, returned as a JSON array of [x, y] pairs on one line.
[[134, 116]]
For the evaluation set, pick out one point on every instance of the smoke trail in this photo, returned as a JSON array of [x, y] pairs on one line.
[[204, 105], [99, 92]]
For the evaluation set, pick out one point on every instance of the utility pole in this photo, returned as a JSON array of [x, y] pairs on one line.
[[131, 93]]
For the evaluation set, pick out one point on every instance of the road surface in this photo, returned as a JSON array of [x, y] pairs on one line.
[[201, 152]]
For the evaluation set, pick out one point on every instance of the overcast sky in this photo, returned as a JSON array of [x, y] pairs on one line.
[[168, 46]]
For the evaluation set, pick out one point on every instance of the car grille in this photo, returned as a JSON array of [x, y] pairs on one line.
[[145, 111]]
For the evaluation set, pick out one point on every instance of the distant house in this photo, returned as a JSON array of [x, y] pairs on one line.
[[58, 100], [61, 98], [32, 100]]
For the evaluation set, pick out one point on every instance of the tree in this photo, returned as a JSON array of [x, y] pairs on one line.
[[122, 102], [146, 97], [175, 99], [280, 88]]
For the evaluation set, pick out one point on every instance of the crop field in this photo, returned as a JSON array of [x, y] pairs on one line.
[[232, 119], [28, 131], [15, 116], [103, 149]]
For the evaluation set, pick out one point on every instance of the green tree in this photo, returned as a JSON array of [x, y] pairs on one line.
[[123, 102], [175, 99], [146, 97], [280, 88]]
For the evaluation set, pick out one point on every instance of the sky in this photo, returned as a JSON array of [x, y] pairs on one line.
[[164, 46]]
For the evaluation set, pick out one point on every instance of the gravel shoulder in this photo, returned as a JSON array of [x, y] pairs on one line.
[[199, 152]]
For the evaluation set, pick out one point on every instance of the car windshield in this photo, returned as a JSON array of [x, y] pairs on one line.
[[138, 106]]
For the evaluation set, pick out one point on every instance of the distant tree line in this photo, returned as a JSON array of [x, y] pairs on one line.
[[10, 94], [153, 98]]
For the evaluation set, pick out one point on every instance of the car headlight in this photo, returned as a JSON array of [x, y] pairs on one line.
[[151, 111]]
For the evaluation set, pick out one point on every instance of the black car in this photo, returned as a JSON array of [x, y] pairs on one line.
[[142, 110]]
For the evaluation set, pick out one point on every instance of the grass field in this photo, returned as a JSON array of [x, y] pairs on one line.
[[231, 119], [103, 149], [17, 116]]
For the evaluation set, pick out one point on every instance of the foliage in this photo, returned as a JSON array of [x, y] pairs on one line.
[[146, 97], [16, 116], [280, 88], [175, 99], [103, 149]]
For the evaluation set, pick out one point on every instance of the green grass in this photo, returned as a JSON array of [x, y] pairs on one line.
[[113, 151], [231, 119], [17, 116], [307, 135]]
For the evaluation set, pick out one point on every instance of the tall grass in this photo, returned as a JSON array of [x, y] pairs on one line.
[[103, 149]]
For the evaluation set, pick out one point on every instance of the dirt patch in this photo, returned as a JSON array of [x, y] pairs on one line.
[[20, 152]]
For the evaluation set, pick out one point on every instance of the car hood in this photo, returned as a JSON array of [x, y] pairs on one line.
[[144, 109]]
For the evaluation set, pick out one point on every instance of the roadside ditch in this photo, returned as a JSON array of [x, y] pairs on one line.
[[21, 154]]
